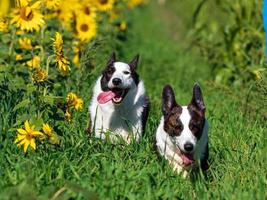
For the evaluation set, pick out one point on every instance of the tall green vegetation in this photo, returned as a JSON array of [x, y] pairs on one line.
[[230, 35]]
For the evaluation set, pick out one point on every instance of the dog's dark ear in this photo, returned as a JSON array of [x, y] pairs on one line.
[[112, 59], [133, 64], [168, 99], [197, 99]]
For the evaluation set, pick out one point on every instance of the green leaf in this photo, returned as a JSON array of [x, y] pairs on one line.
[[38, 122], [18, 83], [49, 100], [22, 104], [21, 119], [3, 68], [30, 88]]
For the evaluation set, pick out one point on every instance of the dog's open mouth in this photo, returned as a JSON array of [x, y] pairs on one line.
[[116, 95], [188, 159], [119, 95]]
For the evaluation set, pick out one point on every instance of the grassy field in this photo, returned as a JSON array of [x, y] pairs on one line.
[[83, 169]]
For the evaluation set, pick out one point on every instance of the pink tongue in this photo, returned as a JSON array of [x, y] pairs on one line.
[[104, 97], [187, 159]]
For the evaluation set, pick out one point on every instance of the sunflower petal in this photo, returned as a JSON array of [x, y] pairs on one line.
[[33, 144], [22, 131], [26, 145], [36, 5], [19, 138], [37, 133], [21, 142], [27, 126], [47, 129]]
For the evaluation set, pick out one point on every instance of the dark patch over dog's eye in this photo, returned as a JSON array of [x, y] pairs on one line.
[[111, 70], [197, 121], [194, 127], [126, 72], [179, 127], [173, 126]]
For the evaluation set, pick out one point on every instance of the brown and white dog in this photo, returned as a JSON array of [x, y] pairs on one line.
[[182, 136]]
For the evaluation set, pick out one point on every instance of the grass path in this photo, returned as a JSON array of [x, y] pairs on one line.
[[79, 167], [237, 138]]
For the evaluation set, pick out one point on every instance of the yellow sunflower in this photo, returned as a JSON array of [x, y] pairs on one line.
[[52, 4], [39, 75], [104, 5], [4, 7], [86, 9], [68, 115], [86, 28], [65, 12], [22, 3], [28, 17], [53, 138], [27, 136], [63, 65], [62, 62], [3, 24], [34, 62], [77, 49], [76, 58], [19, 57], [122, 26], [74, 101], [47, 129], [25, 43], [58, 44]]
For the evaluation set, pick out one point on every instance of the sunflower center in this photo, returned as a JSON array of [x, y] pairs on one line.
[[103, 2], [29, 136], [87, 10], [84, 27], [26, 13]]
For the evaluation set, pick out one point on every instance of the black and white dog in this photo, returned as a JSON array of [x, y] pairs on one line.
[[119, 106], [182, 136]]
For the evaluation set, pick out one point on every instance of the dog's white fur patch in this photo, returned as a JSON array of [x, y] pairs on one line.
[[120, 68], [167, 146], [123, 120]]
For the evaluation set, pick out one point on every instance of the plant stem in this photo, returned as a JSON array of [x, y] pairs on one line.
[[42, 43], [10, 50], [47, 63]]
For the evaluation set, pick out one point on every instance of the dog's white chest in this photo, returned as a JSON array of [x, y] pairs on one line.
[[114, 119]]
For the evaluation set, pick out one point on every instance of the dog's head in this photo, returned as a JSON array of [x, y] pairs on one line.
[[117, 79], [184, 124]]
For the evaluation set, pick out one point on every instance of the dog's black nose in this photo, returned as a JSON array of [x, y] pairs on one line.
[[116, 81], [188, 146]]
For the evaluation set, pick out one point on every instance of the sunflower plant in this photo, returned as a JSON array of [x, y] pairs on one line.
[[48, 48]]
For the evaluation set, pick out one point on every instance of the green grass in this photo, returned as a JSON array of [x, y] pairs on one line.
[[83, 169]]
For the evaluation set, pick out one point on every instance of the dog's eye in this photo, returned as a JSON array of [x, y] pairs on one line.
[[126, 72], [111, 70], [179, 127], [194, 127]]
